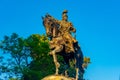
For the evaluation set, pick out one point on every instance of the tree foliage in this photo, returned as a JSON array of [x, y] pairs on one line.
[[41, 64], [16, 55], [25, 57]]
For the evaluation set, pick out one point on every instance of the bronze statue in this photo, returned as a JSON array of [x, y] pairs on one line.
[[63, 43], [65, 29]]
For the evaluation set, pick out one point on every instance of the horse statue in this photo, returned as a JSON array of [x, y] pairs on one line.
[[58, 46]]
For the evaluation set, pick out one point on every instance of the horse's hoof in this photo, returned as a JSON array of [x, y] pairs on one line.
[[56, 74]]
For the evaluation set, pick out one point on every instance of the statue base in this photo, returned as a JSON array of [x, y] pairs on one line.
[[57, 77]]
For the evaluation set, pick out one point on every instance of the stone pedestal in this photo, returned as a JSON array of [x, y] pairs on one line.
[[57, 77]]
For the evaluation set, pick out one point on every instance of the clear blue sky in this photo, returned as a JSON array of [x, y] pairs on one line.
[[97, 23]]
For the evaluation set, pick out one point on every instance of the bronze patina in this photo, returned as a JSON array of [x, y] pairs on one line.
[[63, 43]]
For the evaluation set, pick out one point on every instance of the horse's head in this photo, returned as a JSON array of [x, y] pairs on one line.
[[48, 24]]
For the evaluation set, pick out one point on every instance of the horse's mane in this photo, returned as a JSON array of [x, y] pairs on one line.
[[51, 22]]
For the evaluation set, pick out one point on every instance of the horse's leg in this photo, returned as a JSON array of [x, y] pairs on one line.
[[66, 65], [77, 71], [76, 67], [57, 65], [79, 62], [57, 49], [66, 70]]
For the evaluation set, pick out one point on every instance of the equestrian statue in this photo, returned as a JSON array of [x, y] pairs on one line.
[[63, 43]]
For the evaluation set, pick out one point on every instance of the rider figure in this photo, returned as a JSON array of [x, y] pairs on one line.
[[65, 29]]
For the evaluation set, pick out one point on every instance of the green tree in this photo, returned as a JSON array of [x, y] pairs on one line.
[[15, 56], [27, 58], [41, 64]]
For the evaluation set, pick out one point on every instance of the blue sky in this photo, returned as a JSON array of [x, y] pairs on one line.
[[97, 23]]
